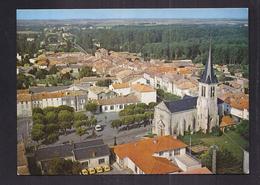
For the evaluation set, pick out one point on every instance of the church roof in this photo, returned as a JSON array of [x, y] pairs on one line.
[[208, 75], [187, 103], [182, 105]]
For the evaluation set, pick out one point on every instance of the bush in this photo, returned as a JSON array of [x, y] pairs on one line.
[[216, 131]]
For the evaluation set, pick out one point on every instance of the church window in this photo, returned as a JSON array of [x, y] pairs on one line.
[[203, 90], [212, 91]]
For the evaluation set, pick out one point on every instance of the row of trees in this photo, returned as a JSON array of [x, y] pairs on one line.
[[131, 114], [49, 123], [166, 96]]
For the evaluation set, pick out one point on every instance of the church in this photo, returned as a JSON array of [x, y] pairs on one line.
[[191, 113]]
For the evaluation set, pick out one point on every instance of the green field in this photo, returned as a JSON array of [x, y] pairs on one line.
[[221, 141]]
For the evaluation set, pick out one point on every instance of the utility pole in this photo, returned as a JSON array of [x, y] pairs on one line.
[[214, 158], [190, 145]]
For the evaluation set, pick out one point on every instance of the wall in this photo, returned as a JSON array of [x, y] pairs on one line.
[[148, 97], [93, 162], [24, 109]]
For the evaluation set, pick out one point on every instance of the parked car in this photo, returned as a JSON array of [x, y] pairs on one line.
[[99, 169], [91, 170], [84, 172], [98, 127], [106, 168]]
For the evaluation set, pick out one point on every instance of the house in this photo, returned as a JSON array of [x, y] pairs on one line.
[[27, 101], [117, 103], [96, 93], [158, 155], [89, 154], [22, 162], [121, 89], [237, 105], [144, 93]]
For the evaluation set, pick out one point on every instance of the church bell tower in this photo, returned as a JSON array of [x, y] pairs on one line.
[[207, 107]]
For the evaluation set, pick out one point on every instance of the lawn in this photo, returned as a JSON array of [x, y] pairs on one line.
[[221, 141]]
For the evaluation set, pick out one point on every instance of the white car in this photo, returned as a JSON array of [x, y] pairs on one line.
[[98, 127]]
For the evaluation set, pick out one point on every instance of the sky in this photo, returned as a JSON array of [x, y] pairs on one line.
[[196, 13]]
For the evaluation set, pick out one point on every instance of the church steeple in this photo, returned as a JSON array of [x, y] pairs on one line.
[[208, 75]]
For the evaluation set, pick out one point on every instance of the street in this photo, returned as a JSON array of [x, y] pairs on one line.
[[24, 126], [108, 134]]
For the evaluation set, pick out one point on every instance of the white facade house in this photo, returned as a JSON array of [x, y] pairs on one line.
[[121, 89], [96, 93], [116, 104], [154, 156], [144, 93], [27, 101]]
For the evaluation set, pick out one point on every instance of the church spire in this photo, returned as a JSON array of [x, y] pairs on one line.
[[208, 75]]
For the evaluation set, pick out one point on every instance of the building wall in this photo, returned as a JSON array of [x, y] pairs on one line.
[[167, 123], [123, 91], [117, 107], [93, 162], [147, 97], [243, 114], [24, 109], [92, 96], [207, 108]]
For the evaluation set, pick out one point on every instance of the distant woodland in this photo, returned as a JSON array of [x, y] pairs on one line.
[[229, 42]]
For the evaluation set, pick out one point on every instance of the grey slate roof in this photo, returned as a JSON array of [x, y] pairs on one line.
[[64, 150], [90, 152], [47, 89], [208, 75], [187, 103], [182, 105]]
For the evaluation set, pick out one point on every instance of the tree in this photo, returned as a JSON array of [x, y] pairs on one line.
[[104, 83], [151, 105], [50, 109], [91, 106], [60, 166], [37, 110], [243, 129], [65, 107], [40, 74], [116, 123], [65, 118], [81, 131], [79, 116], [216, 131], [86, 71], [39, 118], [51, 117], [32, 71], [93, 121], [51, 138], [226, 162], [37, 132], [53, 70], [66, 76]]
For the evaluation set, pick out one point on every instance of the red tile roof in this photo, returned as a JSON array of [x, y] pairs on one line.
[[141, 153]]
